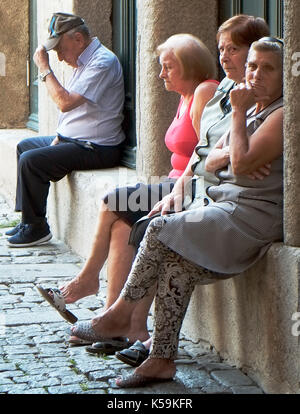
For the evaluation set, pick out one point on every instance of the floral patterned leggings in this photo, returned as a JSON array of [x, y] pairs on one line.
[[176, 278]]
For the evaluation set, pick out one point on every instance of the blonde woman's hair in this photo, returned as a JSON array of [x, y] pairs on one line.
[[196, 61]]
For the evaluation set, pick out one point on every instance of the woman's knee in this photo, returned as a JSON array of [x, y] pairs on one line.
[[156, 224], [120, 227]]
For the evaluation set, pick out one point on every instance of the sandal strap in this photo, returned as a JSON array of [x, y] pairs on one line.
[[138, 346], [58, 299]]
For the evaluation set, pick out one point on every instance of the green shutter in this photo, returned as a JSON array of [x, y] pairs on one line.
[[270, 10], [33, 122], [124, 45]]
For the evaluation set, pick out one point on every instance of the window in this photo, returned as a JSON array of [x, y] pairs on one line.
[[270, 10], [124, 46]]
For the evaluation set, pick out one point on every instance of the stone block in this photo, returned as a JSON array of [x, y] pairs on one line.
[[231, 377]]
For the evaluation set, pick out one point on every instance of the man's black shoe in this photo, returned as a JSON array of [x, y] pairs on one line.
[[30, 235], [14, 230]]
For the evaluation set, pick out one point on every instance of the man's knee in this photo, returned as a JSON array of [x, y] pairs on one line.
[[22, 146], [25, 158], [31, 160]]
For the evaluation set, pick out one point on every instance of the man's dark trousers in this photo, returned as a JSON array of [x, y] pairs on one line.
[[39, 163]]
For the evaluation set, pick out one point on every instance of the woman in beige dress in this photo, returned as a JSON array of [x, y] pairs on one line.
[[220, 240]]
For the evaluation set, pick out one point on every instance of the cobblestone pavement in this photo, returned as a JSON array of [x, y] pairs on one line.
[[35, 357]]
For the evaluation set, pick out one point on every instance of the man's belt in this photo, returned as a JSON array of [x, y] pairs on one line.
[[83, 144]]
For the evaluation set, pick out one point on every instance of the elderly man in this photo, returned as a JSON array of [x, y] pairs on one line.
[[89, 133]]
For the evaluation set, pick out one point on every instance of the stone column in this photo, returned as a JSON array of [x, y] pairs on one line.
[[292, 124], [157, 20], [97, 14]]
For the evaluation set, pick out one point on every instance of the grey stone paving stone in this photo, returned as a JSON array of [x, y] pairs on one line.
[[21, 379], [16, 312], [35, 391], [45, 352], [93, 385], [15, 373], [194, 351], [80, 352], [19, 359], [72, 379], [3, 287], [53, 366], [6, 307], [101, 375], [36, 371], [26, 305], [19, 341], [194, 379], [45, 253], [66, 389], [215, 388], [9, 299], [46, 315], [25, 272], [246, 390], [20, 253], [47, 339], [19, 350], [19, 389], [231, 377], [20, 288], [34, 260], [37, 381], [60, 372], [89, 367], [5, 380], [7, 366], [4, 251], [215, 366]]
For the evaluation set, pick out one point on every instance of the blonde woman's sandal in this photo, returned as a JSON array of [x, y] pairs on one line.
[[55, 298]]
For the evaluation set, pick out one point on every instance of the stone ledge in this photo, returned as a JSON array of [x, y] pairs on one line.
[[73, 204], [248, 320]]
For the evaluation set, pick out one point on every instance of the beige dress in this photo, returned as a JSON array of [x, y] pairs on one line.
[[219, 240], [235, 229]]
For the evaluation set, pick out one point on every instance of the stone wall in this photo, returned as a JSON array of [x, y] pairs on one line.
[[248, 320], [14, 50], [292, 123]]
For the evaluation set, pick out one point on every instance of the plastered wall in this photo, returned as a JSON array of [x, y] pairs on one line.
[[14, 46]]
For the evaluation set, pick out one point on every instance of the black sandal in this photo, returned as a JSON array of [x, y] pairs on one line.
[[134, 355], [109, 347]]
